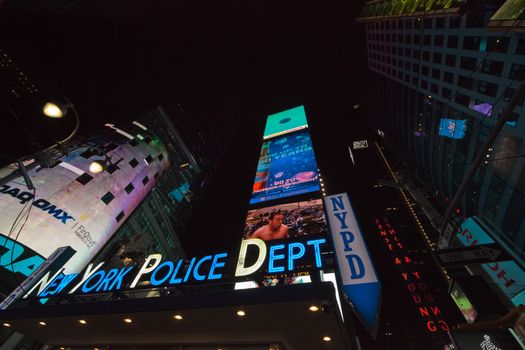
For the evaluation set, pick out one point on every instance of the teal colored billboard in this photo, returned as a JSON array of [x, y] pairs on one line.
[[284, 122]]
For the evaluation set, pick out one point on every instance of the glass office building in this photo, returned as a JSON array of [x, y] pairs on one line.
[[443, 72]]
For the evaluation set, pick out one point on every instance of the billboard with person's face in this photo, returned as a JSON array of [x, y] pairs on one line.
[[286, 167], [286, 220]]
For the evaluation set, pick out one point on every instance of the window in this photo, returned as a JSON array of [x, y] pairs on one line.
[[160, 156], [468, 63], [446, 92], [111, 168], [133, 163], [487, 88], [407, 65], [401, 24], [408, 53], [415, 67], [408, 38], [129, 188], [437, 58], [471, 42], [110, 146], [520, 47], [415, 54], [407, 77], [408, 24], [424, 70], [436, 73], [454, 22], [400, 75], [87, 154], [133, 142], [147, 139], [84, 178], [438, 40], [496, 44], [517, 71], [400, 63], [440, 22], [400, 38], [465, 82], [492, 67], [450, 60], [145, 180], [424, 84], [417, 39], [149, 159], [452, 42], [426, 56], [462, 99], [427, 23], [434, 88], [448, 77], [427, 40], [107, 198], [120, 216]]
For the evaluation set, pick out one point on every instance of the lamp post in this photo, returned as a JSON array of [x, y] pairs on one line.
[[52, 109]]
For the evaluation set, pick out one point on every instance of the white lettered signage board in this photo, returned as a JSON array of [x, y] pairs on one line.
[[358, 276]]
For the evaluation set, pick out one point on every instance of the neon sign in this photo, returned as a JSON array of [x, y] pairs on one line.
[[272, 257], [422, 298]]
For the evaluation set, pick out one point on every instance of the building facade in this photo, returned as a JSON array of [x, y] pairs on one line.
[[443, 73]]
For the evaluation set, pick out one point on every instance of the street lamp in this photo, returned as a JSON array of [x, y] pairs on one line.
[[58, 109], [51, 109]]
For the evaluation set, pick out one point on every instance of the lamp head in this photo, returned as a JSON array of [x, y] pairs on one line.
[[56, 109]]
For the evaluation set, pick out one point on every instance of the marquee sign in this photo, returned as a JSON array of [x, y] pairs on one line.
[[255, 256]]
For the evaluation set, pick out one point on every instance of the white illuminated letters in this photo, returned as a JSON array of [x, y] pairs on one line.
[[241, 269], [86, 276], [146, 268]]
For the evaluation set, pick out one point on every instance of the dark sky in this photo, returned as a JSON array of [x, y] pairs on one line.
[[268, 57]]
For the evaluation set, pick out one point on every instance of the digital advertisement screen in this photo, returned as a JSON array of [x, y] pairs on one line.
[[73, 207], [284, 122], [452, 128], [464, 305], [286, 221], [286, 167]]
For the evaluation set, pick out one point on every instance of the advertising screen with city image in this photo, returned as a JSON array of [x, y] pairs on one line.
[[286, 221], [286, 167]]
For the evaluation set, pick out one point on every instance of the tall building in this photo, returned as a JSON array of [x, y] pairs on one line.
[[442, 73], [158, 222]]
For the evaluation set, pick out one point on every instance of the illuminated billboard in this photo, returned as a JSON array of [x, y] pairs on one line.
[[73, 207], [452, 128], [286, 167], [286, 220], [284, 122]]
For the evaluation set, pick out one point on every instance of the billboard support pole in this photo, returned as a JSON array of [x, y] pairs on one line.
[[482, 154]]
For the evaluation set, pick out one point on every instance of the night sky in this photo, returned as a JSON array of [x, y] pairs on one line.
[[268, 57]]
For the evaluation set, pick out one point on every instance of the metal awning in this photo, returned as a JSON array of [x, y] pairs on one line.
[[277, 315]]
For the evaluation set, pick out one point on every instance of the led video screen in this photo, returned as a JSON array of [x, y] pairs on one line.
[[287, 167], [286, 221], [72, 206], [284, 122], [452, 128]]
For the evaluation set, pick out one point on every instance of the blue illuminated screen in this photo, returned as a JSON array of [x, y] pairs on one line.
[[452, 128], [287, 167]]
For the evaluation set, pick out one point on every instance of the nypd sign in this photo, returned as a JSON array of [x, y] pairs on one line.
[[358, 276]]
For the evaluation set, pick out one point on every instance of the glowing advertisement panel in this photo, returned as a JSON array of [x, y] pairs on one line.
[[72, 207], [507, 275], [284, 122], [286, 221], [359, 279], [452, 128], [286, 167]]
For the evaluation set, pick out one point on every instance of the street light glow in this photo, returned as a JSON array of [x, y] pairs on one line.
[[96, 167], [51, 110]]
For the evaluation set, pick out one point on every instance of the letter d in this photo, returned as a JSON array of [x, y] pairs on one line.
[[358, 272], [241, 269]]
